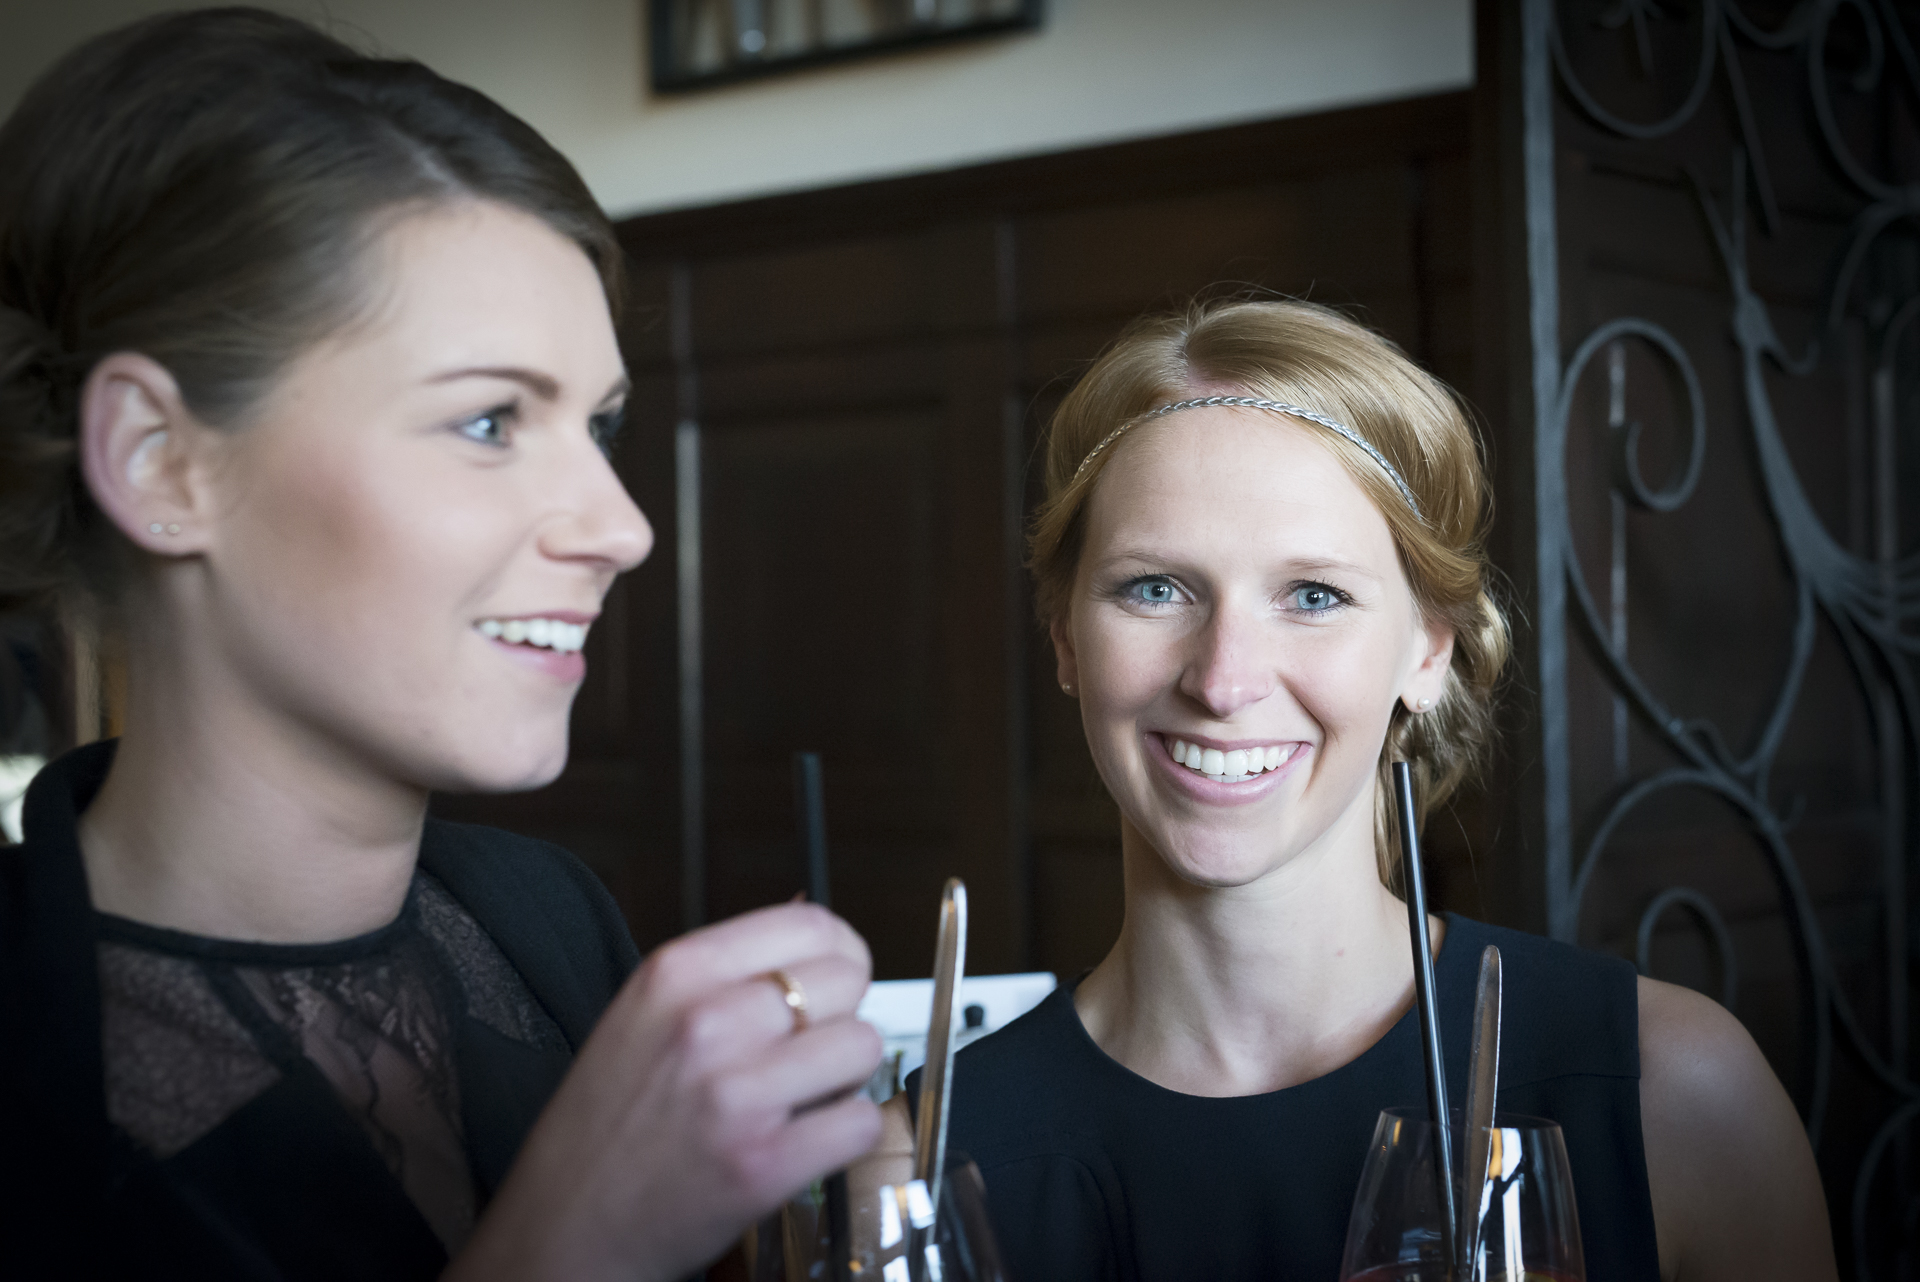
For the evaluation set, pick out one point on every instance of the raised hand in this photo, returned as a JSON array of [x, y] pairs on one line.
[[702, 1100]]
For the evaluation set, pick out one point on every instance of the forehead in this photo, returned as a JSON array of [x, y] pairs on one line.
[[1237, 477], [479, 283]]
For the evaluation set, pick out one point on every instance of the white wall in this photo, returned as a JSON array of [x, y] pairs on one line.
[[1100, 71]]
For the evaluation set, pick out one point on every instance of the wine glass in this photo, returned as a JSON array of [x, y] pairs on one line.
[[877, 1223], [1529, 1230]]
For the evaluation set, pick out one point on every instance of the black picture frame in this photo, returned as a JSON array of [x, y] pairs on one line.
[[671, 76]]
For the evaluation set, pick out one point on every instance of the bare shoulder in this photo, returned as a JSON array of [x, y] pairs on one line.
[[1694, 1052], [1735, 1190]]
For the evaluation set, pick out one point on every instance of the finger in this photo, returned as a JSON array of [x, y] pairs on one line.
[[808, 1067], [736, 1023], [827, 988], [771, 936], [821, 1141], [780, 937]]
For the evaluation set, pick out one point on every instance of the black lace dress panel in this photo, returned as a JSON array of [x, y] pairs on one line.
[[186, 1108], [195, 1029]]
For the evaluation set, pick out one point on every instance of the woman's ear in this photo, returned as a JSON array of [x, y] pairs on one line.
[[1066, 662], [1428, 680], [136, 438]]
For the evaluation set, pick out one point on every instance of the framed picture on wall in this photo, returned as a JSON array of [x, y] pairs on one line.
[[695, 44]]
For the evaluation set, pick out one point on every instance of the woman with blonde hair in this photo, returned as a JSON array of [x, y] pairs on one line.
[[1261, 561]]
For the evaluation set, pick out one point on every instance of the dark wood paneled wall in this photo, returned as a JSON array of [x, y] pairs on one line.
[[871, 367]]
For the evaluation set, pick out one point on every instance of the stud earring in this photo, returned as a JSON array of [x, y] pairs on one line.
[[155, 528], [1066, 689], [1425, 704], [173, 529]]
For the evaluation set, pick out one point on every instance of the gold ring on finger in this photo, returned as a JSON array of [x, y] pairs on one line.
[[794, 995]]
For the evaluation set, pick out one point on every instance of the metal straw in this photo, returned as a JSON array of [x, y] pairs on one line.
[[1483, 1085], [1429, 1003], [949, 969]]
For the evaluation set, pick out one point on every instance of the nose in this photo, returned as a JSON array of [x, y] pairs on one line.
[[1228, 669], [603, 526]]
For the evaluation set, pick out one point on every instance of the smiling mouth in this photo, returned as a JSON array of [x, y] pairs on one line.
[[541, 634], [1236, 766]]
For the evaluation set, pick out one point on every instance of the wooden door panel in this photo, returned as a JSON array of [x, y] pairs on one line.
[[821, 567], [905, 373], [845, 293], [1349, 232]]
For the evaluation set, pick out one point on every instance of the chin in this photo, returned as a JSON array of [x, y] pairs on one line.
[[523, 776], [1219, 874], [1216, 862], [505, 767]]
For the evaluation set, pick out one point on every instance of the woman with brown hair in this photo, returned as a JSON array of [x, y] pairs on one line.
[[307, 378], [1261, 562]]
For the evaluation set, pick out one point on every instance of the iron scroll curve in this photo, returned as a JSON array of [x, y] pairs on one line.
[[1870, 603]]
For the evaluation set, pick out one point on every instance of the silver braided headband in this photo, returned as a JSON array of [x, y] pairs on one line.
[[1254, 403]]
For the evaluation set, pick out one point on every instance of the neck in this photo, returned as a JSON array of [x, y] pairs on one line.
[[1246, 989], [223, 816]]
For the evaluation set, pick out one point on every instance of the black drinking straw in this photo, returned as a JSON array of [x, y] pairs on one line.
[[810, 822], [810, 815], [1429, 1005]]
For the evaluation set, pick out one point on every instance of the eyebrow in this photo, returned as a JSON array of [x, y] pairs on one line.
[[1297, 565], [544, 386], [1331, 563]]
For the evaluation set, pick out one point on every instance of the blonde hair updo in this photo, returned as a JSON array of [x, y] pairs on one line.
[[1309, 356]]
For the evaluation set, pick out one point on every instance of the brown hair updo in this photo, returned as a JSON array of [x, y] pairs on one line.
[[1310, 356], [200, 188]]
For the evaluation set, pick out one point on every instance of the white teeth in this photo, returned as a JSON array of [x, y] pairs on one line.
[[551, 634], [1230, 767]]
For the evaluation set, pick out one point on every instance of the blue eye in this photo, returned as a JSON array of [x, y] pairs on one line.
[[1315, 598], [491, 427], [1153, 591], [606, 426]]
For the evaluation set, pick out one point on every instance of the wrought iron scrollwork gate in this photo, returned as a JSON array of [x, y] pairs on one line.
[[1741, 189]]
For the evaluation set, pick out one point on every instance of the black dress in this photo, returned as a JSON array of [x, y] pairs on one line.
[[176, 1106], [1094, 1173]]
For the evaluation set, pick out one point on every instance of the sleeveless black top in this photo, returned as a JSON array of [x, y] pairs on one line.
[[1095, 1173]]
